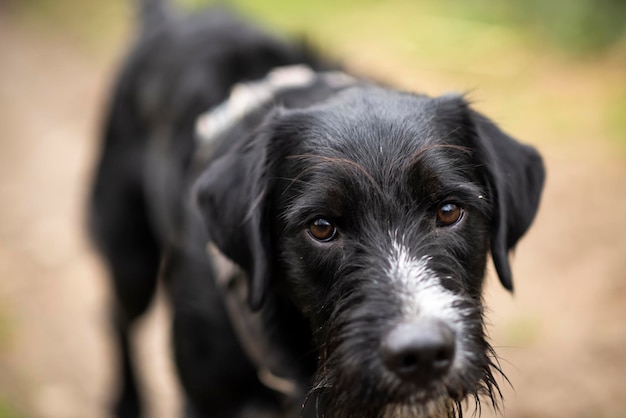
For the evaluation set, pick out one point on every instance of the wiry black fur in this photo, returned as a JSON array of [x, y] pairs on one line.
[[376, 162]]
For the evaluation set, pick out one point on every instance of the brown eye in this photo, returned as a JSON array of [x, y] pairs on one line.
[[448, 214], [322, 230]]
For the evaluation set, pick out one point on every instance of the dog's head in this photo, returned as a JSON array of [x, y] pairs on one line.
[[375, 211]]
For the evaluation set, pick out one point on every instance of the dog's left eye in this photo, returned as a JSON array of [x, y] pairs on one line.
[[322, 230], [449, 214]]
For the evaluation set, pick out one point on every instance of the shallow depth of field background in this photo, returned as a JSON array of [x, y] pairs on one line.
[[552, 73]]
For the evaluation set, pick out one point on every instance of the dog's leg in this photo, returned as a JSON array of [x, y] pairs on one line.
[[120, 226], [134, 291]]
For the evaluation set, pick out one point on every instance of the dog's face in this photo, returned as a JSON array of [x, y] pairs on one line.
[[375, 212], [382, 233]]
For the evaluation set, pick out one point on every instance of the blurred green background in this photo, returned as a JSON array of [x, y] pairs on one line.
[[467, 43], [580, 26], [553, 73]]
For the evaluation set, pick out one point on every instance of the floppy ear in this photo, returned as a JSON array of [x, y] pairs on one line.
[[231, 195], [516, 175]]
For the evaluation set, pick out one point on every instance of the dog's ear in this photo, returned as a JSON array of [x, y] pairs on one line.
[[515, 174], [231, 196]]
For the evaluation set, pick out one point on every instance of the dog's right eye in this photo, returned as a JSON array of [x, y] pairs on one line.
[[449, 214], [322, 230]]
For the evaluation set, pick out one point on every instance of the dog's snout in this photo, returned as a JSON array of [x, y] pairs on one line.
[[419, 352]]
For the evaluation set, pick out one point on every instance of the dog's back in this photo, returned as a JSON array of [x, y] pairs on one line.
[[180, 66]]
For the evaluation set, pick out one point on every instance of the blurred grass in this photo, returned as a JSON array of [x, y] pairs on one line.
[[556, 63], [616, 116], [577, 26], [7, 410], [580, 25]]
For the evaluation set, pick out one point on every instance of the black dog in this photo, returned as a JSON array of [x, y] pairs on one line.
[[358, 220]]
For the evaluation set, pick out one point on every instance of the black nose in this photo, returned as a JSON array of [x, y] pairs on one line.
[[419, 352]]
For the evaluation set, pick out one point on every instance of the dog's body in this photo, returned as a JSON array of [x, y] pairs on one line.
[[359, 218]]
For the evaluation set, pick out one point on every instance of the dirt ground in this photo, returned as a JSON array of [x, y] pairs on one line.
[[562, 337]]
